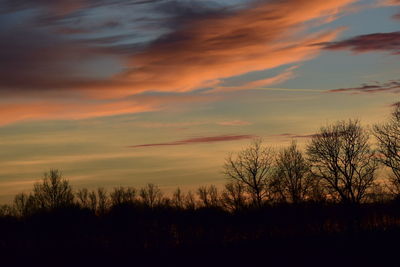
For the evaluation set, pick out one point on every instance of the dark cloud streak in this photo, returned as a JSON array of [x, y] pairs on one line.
[[377, 87], [199, 140], [387, 42], [294, 136]]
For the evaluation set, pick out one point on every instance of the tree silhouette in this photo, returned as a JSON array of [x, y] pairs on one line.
[[82, 196], [208, 196], [292, 181], [25, 204], [178, 198], [122, 195], [233, 196], [341, 157], [151, 195], [102, 200], [7, 210], [388, 137], [189, 201], [251, 167], [53, 192]]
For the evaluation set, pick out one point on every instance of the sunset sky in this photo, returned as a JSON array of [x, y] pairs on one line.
[[126, 92]]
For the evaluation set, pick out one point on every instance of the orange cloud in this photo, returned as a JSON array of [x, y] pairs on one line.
[[206, 50], [281, 77], [198, 53], [35, 110], [78, 109]]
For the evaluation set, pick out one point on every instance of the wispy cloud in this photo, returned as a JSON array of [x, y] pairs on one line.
[[294, 136], [199, 140], [280, 78], [387, 42], [376, 87], [68, 109]]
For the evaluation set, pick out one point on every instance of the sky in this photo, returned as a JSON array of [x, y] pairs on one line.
[[128, 92]]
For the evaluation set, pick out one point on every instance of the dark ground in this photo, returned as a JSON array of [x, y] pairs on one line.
[[311, 235]]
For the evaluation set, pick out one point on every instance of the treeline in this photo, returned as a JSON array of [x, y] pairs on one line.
[[339, 166], [55, 226], [312, 204]]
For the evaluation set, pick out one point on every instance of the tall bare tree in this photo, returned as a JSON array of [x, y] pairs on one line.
[[251, 167], [292, 181], [54, 191], [341, 157], [388, 137]]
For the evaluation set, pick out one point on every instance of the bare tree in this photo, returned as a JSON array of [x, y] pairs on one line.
[[233, 196], [93, 201], [292, 180], [7, 210], [190, 201], [378, 193], [251, 167], [178, 198], [208, 196], [122, 195], [54, 191], [317, 192], [151, 195], [25, 204], [102, 200], [83, 197], [341, 157], [388, 137]]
